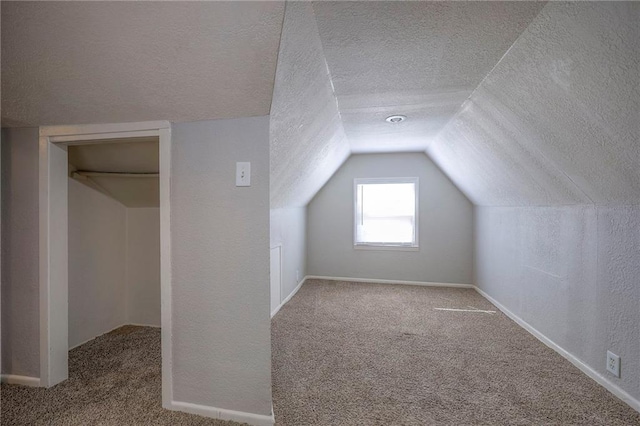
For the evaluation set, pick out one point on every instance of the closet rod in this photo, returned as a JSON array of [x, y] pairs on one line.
[[115, 174]]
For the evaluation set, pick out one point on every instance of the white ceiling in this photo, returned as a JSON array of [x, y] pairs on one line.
[[419, 59], [138, 156], [96, 62], [518, 102], [343, 67]]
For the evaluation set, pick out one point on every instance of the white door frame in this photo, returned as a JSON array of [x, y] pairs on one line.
[[53, 206]]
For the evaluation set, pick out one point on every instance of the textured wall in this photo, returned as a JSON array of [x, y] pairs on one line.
[[220, 261], [20, 279], [143, 266], [553, 131], [289, 229], [445, 225], [557, 120], [97, 62], [306, 135], [97, 263], [572, 273]]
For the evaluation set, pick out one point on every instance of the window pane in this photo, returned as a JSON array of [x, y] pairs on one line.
[[385, 213]]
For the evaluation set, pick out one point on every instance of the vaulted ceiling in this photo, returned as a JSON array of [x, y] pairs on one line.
[[419, 59], [520, 103], [557, 121], [344, 67]]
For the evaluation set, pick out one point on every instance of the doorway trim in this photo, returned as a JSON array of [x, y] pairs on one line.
[[53, 239]]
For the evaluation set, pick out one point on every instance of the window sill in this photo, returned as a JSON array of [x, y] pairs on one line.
[[385, 247]]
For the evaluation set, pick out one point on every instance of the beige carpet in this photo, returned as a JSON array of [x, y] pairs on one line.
[[113, 380], [368, 354], [348, 354]]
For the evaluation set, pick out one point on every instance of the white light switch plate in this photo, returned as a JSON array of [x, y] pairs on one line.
[[243, 174]]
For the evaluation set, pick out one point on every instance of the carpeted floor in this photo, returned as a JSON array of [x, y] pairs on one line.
[[348, 354], [370, 354], [113, 380]]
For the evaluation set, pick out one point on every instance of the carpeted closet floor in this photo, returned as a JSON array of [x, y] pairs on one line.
[[349, 354], [113, 380], [371, 354]]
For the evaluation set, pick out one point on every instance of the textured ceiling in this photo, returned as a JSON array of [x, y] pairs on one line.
[[307, 139], [134, 156], [92, 62], [558, 119], [520, 103], [419, 59]]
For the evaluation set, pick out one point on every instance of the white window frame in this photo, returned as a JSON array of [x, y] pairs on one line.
[[386, 246]]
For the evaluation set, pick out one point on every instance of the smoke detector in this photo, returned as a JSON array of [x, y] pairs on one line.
[[395, 119]]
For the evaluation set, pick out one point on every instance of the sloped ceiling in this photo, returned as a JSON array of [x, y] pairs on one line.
[[95, 62], [558, 119], [307, 139], [419, 59], [125, 171], [552, 90], [343, 67]]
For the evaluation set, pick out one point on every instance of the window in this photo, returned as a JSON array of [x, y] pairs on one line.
[[386, 213]]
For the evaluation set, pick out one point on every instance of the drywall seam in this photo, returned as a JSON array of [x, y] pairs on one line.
[[223, 414], [14, 379], [275, 68], [286, 299], [601, 380], [399, 282], [326, 64]]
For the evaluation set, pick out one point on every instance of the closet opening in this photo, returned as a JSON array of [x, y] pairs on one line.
[[114, 262], [105, 276]]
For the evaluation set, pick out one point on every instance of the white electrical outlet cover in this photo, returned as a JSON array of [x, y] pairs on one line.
[[613, 363], [243, 174]]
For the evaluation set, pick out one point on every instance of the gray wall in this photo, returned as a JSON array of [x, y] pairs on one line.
[[143, 266], [114, 264], [548, 144], [220, 261], [97, 263], [289, 229], [572, 273], [220, 265], [20, 267], [445, 225]]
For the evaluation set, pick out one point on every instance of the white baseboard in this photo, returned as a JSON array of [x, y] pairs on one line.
[[223, 414], [286, 299], [367, 280], [603, 381], [378, 281], [115, 328], [13, 379], [141, 325]]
